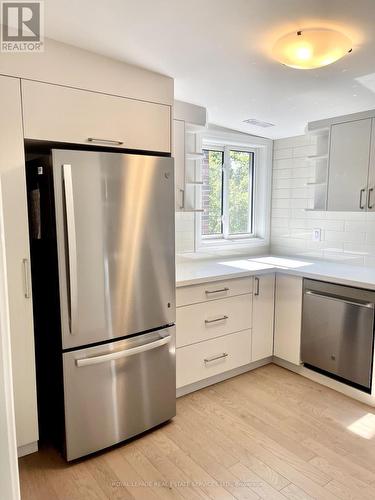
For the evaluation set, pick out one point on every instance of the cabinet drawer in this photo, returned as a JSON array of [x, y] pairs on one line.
[[196, 362], [207, 320], [55, 113], [215, 290]]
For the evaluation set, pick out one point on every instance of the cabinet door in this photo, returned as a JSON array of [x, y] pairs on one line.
[[371, 175], [179, 162], [16, 238], [348, 166], [263, 314], [55, 113], [288, 316]]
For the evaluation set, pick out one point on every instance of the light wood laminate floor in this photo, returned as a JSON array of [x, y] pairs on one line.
[[267, 434]]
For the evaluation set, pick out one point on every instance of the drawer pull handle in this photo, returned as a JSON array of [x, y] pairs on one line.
[[222, 318], [106, 141], [214, 358], [217, 291]]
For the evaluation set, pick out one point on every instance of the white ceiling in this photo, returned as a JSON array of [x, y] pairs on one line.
[[218, 51]]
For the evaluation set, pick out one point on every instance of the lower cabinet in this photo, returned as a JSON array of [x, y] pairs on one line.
[[232, 323], [263, 316], [288, 317], [205, 359], [213, 328]]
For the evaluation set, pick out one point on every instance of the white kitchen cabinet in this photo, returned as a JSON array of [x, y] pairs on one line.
[[179, 162], [288, 317], [263, 316], [15, 236], [214, 318], [62, 114], [371, 172], [212, 357], [203, 292], [349, 165]]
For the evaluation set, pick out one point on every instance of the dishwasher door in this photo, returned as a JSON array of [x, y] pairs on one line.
[[338, 331]]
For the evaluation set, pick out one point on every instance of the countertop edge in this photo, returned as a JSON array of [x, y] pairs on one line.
[[319, 275]]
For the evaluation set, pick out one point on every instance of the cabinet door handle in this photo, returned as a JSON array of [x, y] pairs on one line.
[[361, 193], [182, 203], [214, 358], [257, 282], [26, 279], [105, 141], [222, 318], [225, 289], [369, 204]]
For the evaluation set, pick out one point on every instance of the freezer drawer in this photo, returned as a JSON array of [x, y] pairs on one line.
[[118, 390], [338, 331]]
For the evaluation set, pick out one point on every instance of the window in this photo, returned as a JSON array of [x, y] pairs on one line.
[[227, 193]]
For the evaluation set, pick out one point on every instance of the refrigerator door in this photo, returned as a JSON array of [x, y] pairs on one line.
[[115, 237], [118, 390]]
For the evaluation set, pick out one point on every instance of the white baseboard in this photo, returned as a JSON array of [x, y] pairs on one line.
[[351, 392], [181, 391], [27, 449]]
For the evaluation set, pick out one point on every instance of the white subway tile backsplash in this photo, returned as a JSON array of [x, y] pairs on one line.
[[345, 236], [280, 154]]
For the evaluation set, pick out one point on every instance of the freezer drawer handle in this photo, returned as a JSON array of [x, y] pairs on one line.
[[72, 247], [368, 305], [221, 290], [222, 318], [214, 358], [123, 354], [106, 141]]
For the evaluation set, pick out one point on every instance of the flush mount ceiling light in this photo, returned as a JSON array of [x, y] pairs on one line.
[[311, 48]]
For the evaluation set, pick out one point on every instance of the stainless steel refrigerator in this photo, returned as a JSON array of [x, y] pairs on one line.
[[115, 246]]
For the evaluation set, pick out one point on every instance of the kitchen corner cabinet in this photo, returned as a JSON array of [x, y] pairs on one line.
[[63, 114], [351, 178], [288, 318], [17, 257], [179, 163], [263, 316]]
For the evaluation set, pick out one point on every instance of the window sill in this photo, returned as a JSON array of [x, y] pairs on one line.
[[239, 244]]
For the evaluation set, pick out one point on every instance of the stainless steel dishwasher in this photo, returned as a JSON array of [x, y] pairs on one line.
[[338, 332]]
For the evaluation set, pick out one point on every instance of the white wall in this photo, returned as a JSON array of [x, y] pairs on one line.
[[346, 236]]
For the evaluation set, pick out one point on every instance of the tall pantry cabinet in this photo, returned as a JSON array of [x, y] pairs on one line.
[[14, 235]]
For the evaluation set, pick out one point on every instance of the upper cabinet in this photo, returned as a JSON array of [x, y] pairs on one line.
[[179, 163], [189, 121], [348, 181], [63, 114]]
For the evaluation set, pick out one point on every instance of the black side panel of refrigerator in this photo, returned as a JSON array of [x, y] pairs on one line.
[[46, 302]]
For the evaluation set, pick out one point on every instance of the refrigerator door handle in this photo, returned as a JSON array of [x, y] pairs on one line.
[[123, 354], [72, 248]]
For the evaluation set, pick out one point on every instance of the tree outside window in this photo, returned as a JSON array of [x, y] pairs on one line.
[[227, 193]]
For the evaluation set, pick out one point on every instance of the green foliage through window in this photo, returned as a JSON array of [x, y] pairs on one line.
[[227, 193]]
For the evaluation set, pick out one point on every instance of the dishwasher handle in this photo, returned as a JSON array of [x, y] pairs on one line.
[[368, 305]]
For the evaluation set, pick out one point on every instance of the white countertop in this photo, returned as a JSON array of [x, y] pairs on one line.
[[202, 271]]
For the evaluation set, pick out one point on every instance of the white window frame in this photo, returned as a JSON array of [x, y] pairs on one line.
[[225, 235], [218, 139]]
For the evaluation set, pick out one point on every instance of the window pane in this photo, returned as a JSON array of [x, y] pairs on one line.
[[240, 192], [212, 176]]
